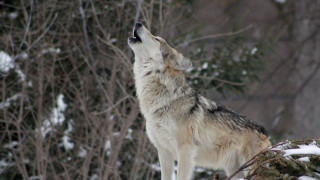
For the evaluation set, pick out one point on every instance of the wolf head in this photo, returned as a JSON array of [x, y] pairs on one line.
[[152, 49]]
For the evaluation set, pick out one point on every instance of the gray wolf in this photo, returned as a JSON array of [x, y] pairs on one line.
[[183, 125]]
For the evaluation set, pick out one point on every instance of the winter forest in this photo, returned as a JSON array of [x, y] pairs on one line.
[[68, 106]]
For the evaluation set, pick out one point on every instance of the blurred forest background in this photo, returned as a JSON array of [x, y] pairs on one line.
[[68, 108]]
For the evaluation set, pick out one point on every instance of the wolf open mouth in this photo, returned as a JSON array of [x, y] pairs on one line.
[[136, 38]]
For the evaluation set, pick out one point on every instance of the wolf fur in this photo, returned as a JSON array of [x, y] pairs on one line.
[[183, 125]]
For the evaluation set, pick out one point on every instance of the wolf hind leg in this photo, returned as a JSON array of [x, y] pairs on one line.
[[232, 168]]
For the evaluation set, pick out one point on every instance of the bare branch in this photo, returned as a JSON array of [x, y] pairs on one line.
[[214, 36]]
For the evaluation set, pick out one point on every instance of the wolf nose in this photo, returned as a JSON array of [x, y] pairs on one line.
[[138, 24]]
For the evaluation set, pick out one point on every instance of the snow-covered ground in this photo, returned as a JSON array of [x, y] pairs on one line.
[[306, 178], [311, 148], [297, 151], [303, 149]]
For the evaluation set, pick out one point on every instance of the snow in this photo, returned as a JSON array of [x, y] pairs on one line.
[[82, 152], [66, 142], [254, 50], [281, 146], [303, 149], [199, 170], [6, 62], [13, 15], [94, 177], [313, 142], [46, 128], [21, 74], [116, 134], [11, 144], [205, 65], [8, 101], [304, 159], [5, 165], [56, 118], [267, 165], [24, 55], [61, 104], [26, 161], [189, 69], [113, 40], [244, 72], [107, 147], [129, 135], [118, 163], [36, 177], [156, 167], [306, 178], [30, 84], [280, 1], [51, 50]]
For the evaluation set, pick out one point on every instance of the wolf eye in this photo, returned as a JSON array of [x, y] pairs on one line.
[[157, 39]]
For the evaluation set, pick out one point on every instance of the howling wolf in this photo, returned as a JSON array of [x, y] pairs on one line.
[[183, 125]]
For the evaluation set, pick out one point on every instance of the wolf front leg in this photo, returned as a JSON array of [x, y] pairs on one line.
[[185, 162], [166, 164]]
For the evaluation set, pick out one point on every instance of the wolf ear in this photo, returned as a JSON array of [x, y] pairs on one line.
[[182, 63]]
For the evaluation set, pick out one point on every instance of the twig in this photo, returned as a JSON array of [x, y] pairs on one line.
[[28, 25], [85, 32], [118, 51], [308, 79], [223, 81], [241, 169], [251, 161], [136, 18], [113, 106], [39, 38], [215, 36], [247, 164]]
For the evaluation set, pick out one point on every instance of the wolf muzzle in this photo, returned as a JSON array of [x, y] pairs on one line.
[[136, 38]]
